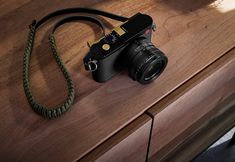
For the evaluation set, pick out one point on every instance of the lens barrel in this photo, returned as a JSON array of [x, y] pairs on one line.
[[145, 61]]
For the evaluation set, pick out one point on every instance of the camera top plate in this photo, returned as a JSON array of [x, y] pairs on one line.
[[120, 36]]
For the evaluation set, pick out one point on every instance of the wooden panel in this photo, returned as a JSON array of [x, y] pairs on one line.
[[191, 38], [207, 135], [183, 112], [130, 144], [11, 5]]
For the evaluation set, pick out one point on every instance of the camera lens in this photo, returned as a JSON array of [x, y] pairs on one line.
[[153, 70], [145, 61]]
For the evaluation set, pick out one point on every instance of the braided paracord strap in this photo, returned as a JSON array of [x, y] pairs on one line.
[[44, 111], [58, 111]]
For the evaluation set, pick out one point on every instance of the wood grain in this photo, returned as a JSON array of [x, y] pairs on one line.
[[192, 40], [130, 144], [181, 114], [208, 133]]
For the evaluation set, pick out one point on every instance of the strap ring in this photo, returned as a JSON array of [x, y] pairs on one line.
[[92, 65]]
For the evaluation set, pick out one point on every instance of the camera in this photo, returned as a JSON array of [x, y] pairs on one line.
[[127, 46]]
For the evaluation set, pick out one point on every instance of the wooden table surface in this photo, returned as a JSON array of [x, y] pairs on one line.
[[193, 35]]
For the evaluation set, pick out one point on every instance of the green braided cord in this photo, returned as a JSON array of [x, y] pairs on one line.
[[38, 108]]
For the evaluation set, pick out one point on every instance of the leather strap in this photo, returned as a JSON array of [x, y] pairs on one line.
[[77, 18], [81, 10]]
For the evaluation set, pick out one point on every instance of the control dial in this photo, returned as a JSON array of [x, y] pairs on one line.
[[110, 38]]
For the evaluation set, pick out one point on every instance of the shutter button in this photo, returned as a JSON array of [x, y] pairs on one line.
[[106, 47]]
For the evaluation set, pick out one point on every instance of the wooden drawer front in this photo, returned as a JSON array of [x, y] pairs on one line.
[[206, 135], [184, 111], [130, 144]]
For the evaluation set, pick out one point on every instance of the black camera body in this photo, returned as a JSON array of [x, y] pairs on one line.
[[127, 46]]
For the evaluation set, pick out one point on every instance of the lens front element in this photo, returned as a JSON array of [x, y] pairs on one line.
[[153, 70], [145, 61]]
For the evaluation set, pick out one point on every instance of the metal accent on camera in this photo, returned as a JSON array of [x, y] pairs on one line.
[[106, 47], [154, 27], [109, 38], [119, 31], [92, 65], [91, 43]]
